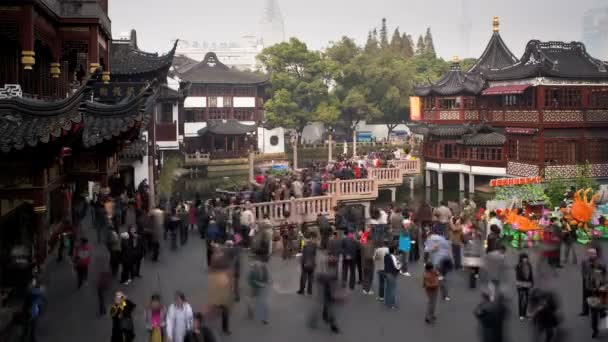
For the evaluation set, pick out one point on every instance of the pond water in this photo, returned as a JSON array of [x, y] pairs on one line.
[[188, 187]]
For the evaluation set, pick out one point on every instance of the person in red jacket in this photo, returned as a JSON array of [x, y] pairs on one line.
[[82, 259]]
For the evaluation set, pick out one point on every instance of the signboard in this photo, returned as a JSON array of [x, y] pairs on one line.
[[364, 136], [519, 130], [116, 91], [415, 108], [515, 181]]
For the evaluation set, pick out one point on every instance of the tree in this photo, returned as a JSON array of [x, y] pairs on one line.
[[396, 43], [299, 79], [420, 49], [584, 179], [383, 35], [372, 42], [407, 44], [429, 47]]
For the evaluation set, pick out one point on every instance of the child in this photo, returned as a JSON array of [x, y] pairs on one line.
[[431, 286], [524, 279]]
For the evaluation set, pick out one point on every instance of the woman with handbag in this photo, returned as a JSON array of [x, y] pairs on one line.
[[122, 322], [156, 320]]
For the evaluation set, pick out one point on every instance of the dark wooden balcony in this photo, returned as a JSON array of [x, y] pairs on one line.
[[166, 131]]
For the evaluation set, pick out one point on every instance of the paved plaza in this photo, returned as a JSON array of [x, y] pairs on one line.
[[72, 316]]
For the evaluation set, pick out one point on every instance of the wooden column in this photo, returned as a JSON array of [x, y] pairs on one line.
[[41, 237], [26, 31], [461, 107], [93, 48], [540, 100]]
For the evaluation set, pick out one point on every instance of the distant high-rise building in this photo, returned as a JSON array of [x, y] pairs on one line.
[[595, 32], [272, 27], [465, 28]]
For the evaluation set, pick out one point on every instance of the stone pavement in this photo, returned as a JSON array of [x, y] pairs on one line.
[[72, 315]]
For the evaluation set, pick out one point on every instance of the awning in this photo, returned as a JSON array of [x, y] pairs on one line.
[[506, 90]]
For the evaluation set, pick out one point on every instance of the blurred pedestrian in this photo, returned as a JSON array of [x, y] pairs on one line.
[[431, 288], [391, 272], [524, 280], [156, 320], [82, 259], [259, 283], [122, 321], [308, 265], [179, 318]]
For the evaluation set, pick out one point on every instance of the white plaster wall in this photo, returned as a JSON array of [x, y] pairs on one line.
[[313, 133], [191, 128], [243, 102], [379, 131], [140, 170], [195, 102], [264, 136]]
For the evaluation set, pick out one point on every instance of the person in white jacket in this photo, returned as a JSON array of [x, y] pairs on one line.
[[179, 319]]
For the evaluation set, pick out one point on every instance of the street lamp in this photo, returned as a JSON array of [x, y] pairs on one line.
[[330, 151]]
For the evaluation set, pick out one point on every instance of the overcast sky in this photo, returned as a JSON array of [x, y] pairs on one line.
[[318, 22]]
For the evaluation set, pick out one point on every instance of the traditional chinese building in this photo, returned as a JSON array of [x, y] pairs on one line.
[[134, 69], [224, 112], [543, 114], [55, 137]]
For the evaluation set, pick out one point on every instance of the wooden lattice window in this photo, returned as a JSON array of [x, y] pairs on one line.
[[428, 102], [598, 98], [218, 113], [449, 103], [227, 101], [597, 150], [244, 91], [562, 152], [525, 150], [470, 103], [165, 115], [563, 98]]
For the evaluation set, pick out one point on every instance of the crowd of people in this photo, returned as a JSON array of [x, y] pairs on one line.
[[334, 258]]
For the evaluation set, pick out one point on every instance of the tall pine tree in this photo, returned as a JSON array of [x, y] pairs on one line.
[[396, 43], [407, 45], [429, 47], [383, 35], [372, 42], [420, 46]]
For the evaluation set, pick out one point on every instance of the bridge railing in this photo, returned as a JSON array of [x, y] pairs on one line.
[[299, 210], [387, 176], [353, 189], [409, 167]]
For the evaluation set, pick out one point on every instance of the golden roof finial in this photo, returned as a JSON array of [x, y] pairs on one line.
[[495, 24], [455, 59]]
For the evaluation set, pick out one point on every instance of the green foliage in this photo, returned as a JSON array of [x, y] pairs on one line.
[[299, 80], [166, 179], [420, 50], [429, 46], [526, 193], [467, 63], [584, 178], [383, 35], [556, 185]]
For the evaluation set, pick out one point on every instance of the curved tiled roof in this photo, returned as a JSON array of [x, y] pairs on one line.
[[135, 150], [484, 139], [226, 127], [496, 56], [27, 122], [127, 59], [552, 59], [103, 122], [454, 82], [212, 71], [450, 130]]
